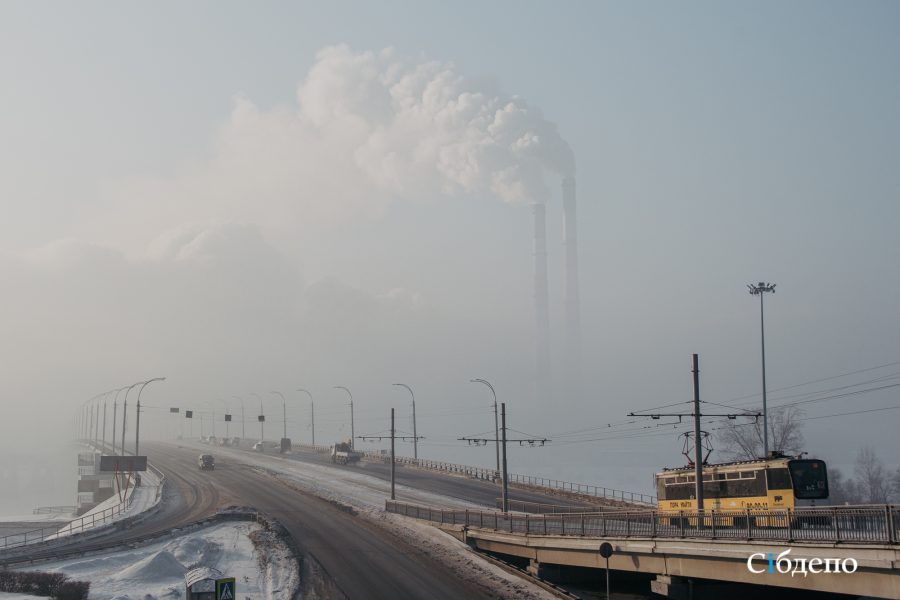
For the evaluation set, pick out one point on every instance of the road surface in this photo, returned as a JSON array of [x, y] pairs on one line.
[[353, 558]]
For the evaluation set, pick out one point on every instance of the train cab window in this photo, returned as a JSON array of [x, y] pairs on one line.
[[778, 479], [810, 479]]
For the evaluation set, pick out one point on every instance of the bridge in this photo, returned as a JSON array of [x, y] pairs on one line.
[[554, 543], [850, 550]]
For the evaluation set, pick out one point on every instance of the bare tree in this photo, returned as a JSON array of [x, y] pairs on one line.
[[744, 441], [872, 478], [842, 490], [897, 483]]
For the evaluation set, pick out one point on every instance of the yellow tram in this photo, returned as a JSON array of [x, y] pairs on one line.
[[773, 484]]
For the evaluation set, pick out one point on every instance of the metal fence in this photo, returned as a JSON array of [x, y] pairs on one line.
[[584, 489], [528, 480], [73, 527], [446, 467], [551, 509], [857, 524]]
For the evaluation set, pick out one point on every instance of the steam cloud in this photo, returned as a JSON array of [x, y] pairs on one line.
[[408, 128], [413, 123]]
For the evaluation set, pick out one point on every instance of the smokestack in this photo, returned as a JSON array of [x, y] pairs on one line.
[[541, 302], [572, 301]]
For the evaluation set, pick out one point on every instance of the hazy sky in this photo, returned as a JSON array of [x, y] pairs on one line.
[[248, 197]]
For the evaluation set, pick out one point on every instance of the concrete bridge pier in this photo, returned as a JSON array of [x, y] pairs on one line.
[[674, 588], [561, 574]]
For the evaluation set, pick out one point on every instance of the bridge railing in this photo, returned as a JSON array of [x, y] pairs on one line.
[[525, 480], [876, 524], [584, 489]]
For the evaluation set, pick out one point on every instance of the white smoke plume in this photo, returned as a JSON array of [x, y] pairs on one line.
[[367, 128], [409, 126]]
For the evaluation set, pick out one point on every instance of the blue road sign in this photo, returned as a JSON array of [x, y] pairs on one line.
[[225, 589]]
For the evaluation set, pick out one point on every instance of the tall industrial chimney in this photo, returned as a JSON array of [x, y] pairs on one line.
[[541, 302], [572, 301]]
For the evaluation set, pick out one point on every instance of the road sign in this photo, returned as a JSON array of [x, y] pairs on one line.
[[188, 414], [112, 464], [227, 417], [261, 418], [225, 589], [606, 550]]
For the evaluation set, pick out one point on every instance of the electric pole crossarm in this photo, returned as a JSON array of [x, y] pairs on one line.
[[679, 415], [482, 441]]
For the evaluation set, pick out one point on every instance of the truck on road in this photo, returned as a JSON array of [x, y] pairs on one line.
[[343, 453]]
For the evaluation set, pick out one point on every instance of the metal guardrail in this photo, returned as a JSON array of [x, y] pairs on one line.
[[493, 475], [543, 508], [564, 486], [877, 524], [446, 467], [585, 489], [73, 527]]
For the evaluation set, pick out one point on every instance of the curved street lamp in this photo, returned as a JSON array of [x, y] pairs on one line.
[[125, 411], [340, 387], [496, 420], [137, 429], [115, 405], [312, 414], [415, 437]]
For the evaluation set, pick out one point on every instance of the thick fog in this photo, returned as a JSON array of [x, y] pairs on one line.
[[357, 212]]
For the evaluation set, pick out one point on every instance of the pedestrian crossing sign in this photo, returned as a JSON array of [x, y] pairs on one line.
[[225, 589]]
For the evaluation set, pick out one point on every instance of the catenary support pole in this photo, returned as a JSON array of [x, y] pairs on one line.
[[505, 472], [698, 447], [393, 462]]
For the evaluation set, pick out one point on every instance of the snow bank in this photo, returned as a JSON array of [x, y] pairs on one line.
[[139, 499], [261, 564]]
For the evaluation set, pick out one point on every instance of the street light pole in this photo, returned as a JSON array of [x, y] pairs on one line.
[[243, 420], [496, 420], [262, 417], [312, 414], [340, 387], [283, 413], [125, 412], [137, 429], [227, 415], [415, 437], [96, 419], [760, 290]]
